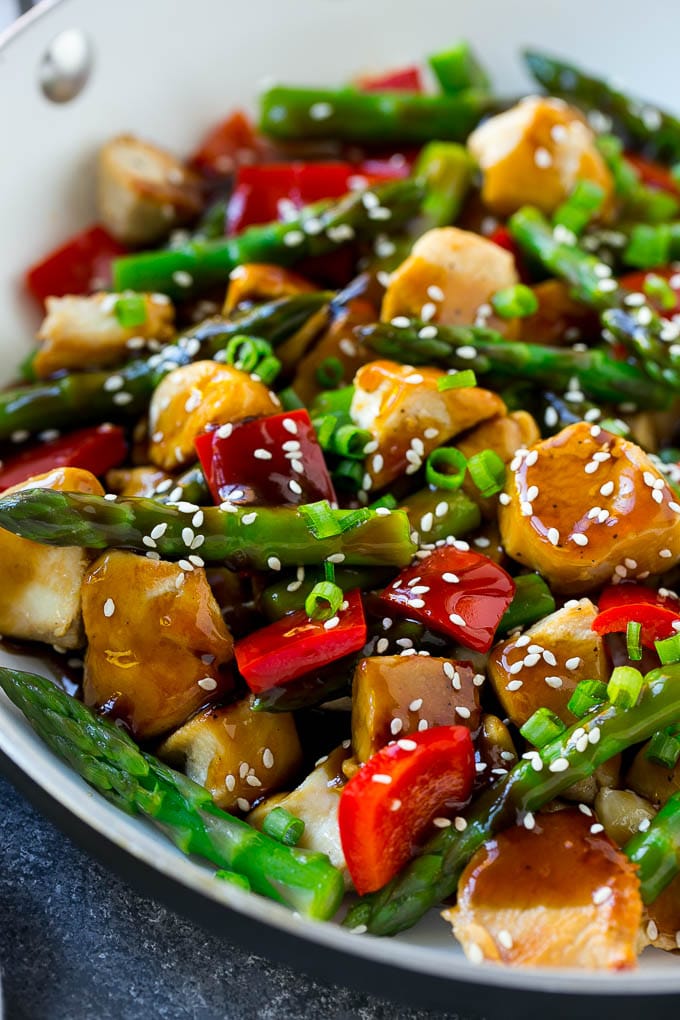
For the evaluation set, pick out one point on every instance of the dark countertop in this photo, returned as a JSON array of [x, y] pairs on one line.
[[77, 944]]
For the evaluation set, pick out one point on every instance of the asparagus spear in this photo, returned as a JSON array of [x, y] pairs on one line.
[[458, 69], [318, 229], [655, 129], [657, 851], [241, 537], [137, 782], [645, 334], [599, 376], [438, 513], [533, 782], [376, 117], [124, 394], [189, 487]]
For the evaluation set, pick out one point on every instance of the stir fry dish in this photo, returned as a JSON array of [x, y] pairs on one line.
[[341, 497]]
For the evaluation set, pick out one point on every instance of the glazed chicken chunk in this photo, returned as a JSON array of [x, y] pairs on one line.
[[408, 416], [586, 507], [556, 894], [534, 154]]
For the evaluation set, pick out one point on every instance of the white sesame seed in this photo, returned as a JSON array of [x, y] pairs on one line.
[[529, 821], [549, 657], [208, 683], [331, 623], [261, 454], [450, 578], [542, 158], [594, 735], [381, 777], [249, 518], [441, 823], [467, 352], [607, 489], [463, 712], [182, 278], [293, 238], [532, 660], [652, 931], [407, 745], [109, 607], [457, 619], [416, 704], [573, 663], [554, 681], [585, 810], [532, 493], [553, 536], [644, 824], [579, 538], [242, 804], [514, 685], [602, 894], [559, 765], [274, 563], [504, 499], [474, 953], [596, 828]]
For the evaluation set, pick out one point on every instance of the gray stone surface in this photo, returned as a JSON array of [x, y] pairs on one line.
[[78, 944]]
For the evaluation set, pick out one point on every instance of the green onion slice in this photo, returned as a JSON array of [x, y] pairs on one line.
[[445, 468], [283, 826], [321, 519], [624, 686], [588, 694], [542, 727], [515, 302], [323, 601], [487, 471], [330, 372], [584, 203], [633, 643], [130, 310], [660, 290], [456, 380], [664, 748], [668, 650]]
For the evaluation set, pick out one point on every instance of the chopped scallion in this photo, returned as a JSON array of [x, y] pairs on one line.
[[321, 519], [445, 468], [290, 400], [330, 373], [633, 643], [542, 727], [351, 520], [664, 748], [456, 380], [625, 684], [487, 471], [649, 246], [283, 826], [659, 290], [387, 501], [130, 310], [516, 302], [584, 203], [587, 695], [233, 878], [668, 650], [323, 601]]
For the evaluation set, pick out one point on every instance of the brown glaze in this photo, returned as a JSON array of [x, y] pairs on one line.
[[260, 750], [338, 341], [401, 405], [415, 691], [197, 395], [565, 897], [164, 635], [260, 281], [564, 635], [137, 481], [639, 526]]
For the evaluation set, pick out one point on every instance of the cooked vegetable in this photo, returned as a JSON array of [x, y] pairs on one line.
[[79, 266], [532, 783], [93, 449], [447, 171], [394, 798], [107, 759], [458, 69]]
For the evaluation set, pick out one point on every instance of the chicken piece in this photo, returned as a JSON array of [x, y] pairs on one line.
[[143, 192], [259, 281], [449, 278], [194, 396], [585, 506], [652, 781], [534, 154], [555, 655], [316, 802], [661, 919], [338, 342], [158, 647], [139, 481], [504, 435], [408, 416], [556, 895], [40, 594], [240, 756], [394, 696], [79, 332], [622, 813]]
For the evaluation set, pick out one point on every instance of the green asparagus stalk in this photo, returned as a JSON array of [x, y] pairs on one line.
[[377, 117], [241, 537], [447, 170], [439, 513], [189, 487], [458, 69], [657, 851], [123, 394], [600, 376], [109, 760], [289, 594], [644, 333], [533, 782], [318, 229], [648, 126]]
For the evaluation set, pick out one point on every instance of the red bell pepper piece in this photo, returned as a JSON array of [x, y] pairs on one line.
[[621, 604], [231, 142], [404, 79], [93, 449], [504, 239], [653, 174], [79, 266], [266, 461], [388, 805], [461, 594], [636, 282], [296, 644]]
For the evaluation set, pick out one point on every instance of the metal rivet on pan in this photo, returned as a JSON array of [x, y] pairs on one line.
[[66, 66]]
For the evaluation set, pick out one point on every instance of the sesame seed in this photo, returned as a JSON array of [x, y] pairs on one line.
[[360, 929], [602, 894], [293, 238], [467, 352], [579, 539], [109, 608], [274, 563], [463, 712], [554, 681], [428, 311], [208, 683], [253, 781], [644, 824], [504, 499], [380, 777], [474, 953], [665, 553], [457, 619], [514, 685], [478, 679], [542, 158], [549, 658], [460, 824], [407, 745], [182, 278], [594, 735], [573, 663], [559, 765], [607, 489], [122, 398], [657, 495], [331, 623], [249, 518], [261, 454], [532, 660], [441, 823], [529, 821], [591, 467], [504, 937], [553, 536], [450, 578], [532, 493], [596, 828], [652, 931], [242, 804]]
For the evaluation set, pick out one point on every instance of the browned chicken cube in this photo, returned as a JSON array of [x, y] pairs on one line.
[[191, 397], [543, 666], [553, 895], [449, 279], [144, 191], [138, 481], [260, 281], [408, 416], [585, 507], [534, 154], [240, 756], [504, 435], [338, 341], [315, 801], [79, 332], [393, 695], [40, 595], [158, 647]]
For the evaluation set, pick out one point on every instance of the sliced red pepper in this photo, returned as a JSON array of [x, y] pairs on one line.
[[404, 79], [296, 644], [266, 461], [231, 142], [94, 449], [636, 282], [621, 604], [461, 594], [388, 805], [79, 266], [653, 174]]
